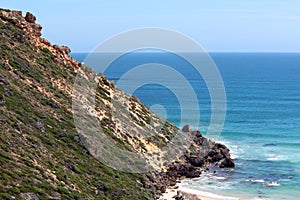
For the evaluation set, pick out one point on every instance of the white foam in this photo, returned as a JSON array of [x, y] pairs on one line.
[[275, 183], [234, 156], [272, 157], [257, 181], [220, 178], [276, 157], [235, 150]]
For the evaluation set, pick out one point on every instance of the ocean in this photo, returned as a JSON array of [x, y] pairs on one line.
[[262, 124]]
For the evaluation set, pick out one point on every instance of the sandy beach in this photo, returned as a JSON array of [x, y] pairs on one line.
[[191, 194]]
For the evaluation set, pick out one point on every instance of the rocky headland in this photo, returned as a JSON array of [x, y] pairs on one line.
[[42, 154]]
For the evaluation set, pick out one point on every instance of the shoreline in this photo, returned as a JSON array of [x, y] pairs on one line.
[[203, 155], [181, 191], [186, 193]]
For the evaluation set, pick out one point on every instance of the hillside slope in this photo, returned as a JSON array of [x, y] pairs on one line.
[[40, 150], [44, 156]]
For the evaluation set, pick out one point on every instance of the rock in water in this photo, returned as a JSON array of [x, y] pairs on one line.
[[227, 163]]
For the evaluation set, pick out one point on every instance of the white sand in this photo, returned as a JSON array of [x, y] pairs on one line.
[[169, 194], [191, 194]]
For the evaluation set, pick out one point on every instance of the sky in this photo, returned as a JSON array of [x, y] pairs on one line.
[[219, 25]]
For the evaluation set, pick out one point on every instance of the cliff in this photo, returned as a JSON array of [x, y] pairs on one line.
[[44, 156]]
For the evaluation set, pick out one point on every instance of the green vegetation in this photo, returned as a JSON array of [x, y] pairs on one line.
[[39, 148]]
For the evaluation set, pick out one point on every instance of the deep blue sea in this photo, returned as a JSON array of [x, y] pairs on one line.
[[262, 126]]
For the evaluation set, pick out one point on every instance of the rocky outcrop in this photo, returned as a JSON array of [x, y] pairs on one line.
[[45, 41], [30, 17], [33, 35], [186, 128], [205, 152], [62, 49], [227, 163], [202, 154], [27, 24]]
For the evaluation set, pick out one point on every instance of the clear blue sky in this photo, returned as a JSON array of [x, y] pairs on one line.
[[219, 25]]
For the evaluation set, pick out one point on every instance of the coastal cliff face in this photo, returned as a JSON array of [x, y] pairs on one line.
[[44, 157]]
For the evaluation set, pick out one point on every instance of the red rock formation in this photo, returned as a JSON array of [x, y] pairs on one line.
[[62, 49], [45, 41], [30, 17], [33, 33]]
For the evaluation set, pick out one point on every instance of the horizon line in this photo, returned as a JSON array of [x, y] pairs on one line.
[[197, 52]]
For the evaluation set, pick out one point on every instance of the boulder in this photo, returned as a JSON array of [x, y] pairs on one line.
[[45, 41], [188, 171], [30, 17], [186, 128], [36, 29], [194, 173], [66, 49], [196, 161], [62, 49], [178, 196], [227, 163], [197, 133], [215, 155]]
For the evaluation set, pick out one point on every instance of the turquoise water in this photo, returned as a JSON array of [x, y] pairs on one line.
[[262, 126]]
